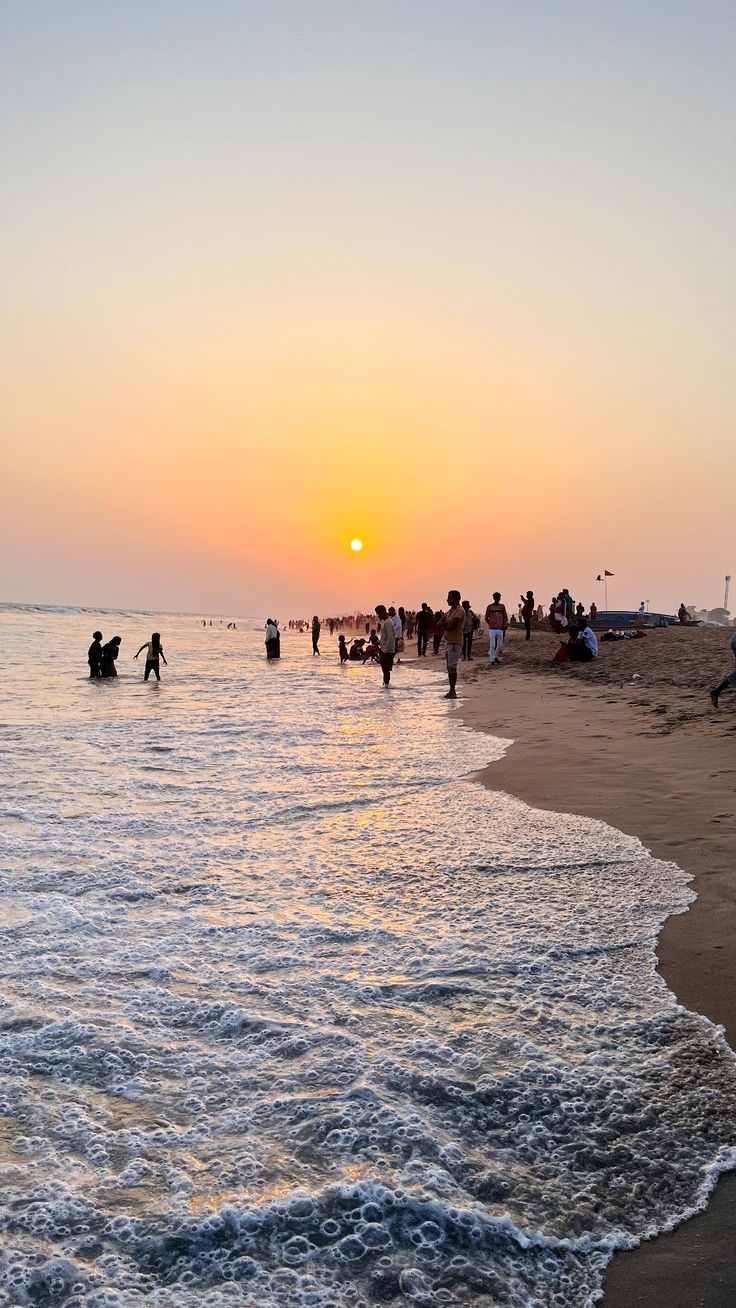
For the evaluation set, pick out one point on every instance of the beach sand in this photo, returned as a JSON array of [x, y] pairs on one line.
[[649, 755]]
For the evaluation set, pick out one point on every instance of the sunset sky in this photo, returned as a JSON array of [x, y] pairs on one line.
[[455, 278]]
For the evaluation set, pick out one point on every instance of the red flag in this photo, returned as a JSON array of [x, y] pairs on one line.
[[606, 573]]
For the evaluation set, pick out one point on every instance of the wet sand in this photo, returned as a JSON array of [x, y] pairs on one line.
[[647, 754]]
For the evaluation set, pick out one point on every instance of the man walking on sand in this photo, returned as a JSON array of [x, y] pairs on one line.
[[497, 620], [452, 629], [729, 681], [386, 643]]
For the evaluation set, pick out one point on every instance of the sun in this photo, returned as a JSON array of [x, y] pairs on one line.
[[356, 545]]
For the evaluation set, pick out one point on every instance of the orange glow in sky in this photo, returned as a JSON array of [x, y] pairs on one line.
[[460, 290]]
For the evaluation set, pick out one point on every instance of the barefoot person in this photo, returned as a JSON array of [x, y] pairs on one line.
[[497, 620], [154, 651], [386, 643], [453, 623], [729, 681], [316, 628]]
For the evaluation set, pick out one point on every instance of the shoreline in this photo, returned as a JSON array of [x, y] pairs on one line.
[[573, 750]]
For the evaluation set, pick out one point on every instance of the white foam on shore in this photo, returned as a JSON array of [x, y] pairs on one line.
[[291, 1016]]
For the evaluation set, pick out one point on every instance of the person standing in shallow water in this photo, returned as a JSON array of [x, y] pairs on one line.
[[453, 623], [273, 645], [110, 652], [94, 655], [316, 628], [155, 651], [386, 643]]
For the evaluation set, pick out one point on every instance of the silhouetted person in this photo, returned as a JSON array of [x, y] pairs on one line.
[[110, 652], [386, 643], [94, 655], [316, 628], [527, 612], [468, 631], [154, 652], [342, 649], [437, 630], [273, 649], [425, 622]]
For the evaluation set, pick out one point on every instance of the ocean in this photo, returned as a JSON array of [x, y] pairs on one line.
[[296, 1014]]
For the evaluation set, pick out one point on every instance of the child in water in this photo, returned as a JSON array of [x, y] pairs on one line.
[[155, 651], [342, 649]]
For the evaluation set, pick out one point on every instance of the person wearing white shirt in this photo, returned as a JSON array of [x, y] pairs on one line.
[[586, 645]]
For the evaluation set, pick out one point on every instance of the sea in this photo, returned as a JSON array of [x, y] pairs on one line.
[[295, 1013]]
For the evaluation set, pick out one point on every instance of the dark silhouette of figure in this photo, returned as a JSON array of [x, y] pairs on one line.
[[155, 652], [316, 628], [94, 655], [425, 622], [342, 649], [273, 640], [437, 630], [527, 612], [110, 652]]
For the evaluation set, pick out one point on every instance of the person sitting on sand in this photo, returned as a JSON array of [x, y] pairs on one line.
[[154, 652], [94, 655], [342, 649], [110, 652], [729, 681], [585, 646]]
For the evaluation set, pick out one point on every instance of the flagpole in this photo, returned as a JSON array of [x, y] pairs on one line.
[[605, 588]]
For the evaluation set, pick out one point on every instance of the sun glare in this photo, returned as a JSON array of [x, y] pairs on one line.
[[356, 545]]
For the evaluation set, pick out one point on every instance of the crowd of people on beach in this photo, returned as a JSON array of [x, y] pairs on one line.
[[388, 630], [385, 641]]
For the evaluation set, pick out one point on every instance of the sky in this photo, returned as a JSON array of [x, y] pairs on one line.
[[454, 278]]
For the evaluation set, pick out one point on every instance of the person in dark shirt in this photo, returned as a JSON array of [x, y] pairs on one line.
[[424, 624], [110, 652], [94, 655], [527, 612]]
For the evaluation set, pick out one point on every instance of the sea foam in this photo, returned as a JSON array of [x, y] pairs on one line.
[[293, 1015]]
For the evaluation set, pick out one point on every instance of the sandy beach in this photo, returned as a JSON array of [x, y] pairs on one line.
[[633, 740]]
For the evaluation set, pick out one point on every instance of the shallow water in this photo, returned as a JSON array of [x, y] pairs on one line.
[[292, 1015]]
